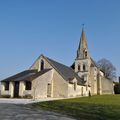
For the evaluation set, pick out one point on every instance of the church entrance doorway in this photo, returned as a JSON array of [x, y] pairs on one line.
[[16, 89]]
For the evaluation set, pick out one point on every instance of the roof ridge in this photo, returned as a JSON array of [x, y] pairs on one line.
[[59, 62]]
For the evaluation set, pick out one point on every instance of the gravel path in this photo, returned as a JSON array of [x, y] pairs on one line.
[[24, 112]]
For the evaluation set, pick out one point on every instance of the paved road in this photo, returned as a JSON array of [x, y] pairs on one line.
[[25, 101], [23, 112]]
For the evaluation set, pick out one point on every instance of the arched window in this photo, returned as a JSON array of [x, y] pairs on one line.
[[79, 68], [42, 65], [85, 53], [84, 67]]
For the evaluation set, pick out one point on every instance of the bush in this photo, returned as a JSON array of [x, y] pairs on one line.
[[27, 96], [117, 88], [4, 96]]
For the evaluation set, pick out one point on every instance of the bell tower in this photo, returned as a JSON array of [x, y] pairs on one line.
[[82, 61]]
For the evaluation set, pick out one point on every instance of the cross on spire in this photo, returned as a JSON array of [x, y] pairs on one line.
[[83, 26]]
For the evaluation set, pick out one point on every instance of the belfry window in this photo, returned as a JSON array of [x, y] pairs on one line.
[[79, 68], [85, 53], [84, 67], [42, 65]]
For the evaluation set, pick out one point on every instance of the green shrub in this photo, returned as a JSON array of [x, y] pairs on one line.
[[27, 97], [4, 96], [117, 88]]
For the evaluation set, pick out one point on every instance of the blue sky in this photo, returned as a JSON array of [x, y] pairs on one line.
[[53, 27]]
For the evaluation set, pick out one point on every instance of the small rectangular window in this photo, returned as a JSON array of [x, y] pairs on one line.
[[86, 54], [75, 86], [79, 68], [49, 90], [6, 85], [84, 68], [28, 85]]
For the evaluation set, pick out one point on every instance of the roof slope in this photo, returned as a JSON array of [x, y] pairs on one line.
[[20, 75], [27, 75], [66, 72], [34, 76]]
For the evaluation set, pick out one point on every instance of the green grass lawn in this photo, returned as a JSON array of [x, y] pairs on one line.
[[106, 107]]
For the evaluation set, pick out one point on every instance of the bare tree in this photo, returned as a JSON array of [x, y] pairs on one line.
[[108, 68]]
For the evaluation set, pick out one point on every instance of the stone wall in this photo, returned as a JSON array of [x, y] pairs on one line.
[[60, 86], [7, 92], [107, 86], [21, 88], [22, 91], [80, 91], [93, 79], [40, 84]]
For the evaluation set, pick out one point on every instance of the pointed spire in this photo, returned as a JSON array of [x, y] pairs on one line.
[[82, 45]]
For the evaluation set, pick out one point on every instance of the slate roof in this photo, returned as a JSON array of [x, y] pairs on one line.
[[20, 75], [32, 77], [93, 63], [66, 72], [26, 75]]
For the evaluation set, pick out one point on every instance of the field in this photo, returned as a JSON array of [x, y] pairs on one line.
[[106, 107]]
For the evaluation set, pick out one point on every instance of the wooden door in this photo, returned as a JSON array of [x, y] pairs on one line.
[[16, 89]]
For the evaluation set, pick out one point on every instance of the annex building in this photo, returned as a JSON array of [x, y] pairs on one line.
[[49, 78]]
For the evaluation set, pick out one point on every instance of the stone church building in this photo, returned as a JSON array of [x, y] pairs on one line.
[[49, 78]]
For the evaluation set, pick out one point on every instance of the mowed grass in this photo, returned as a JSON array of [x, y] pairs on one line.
[[106, 107]]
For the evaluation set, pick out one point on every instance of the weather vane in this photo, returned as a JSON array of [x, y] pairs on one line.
[[83, 25]]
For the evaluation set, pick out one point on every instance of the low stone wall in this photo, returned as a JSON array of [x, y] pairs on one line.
[[107, 86], [80, 91]]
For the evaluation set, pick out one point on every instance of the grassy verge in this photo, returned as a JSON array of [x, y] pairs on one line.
[[105, 107]]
